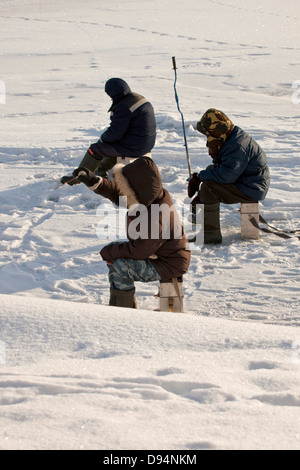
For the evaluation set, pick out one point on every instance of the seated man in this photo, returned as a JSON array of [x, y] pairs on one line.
[[239, 172], [131, 133], [157, 248]]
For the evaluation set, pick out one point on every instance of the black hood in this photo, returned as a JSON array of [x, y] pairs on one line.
[[116, 88]]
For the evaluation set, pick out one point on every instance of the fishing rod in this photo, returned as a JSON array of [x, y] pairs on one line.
[[182, 118]]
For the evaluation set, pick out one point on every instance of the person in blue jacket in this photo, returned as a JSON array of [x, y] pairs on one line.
[[131, 133], [239, 172]]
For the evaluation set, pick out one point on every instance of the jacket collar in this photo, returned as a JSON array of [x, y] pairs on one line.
[[123, 186]]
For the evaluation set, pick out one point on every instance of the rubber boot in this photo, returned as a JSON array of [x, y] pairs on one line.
[[212, 230], [123, 298], [106, 164], [196, 218], [88, 162]]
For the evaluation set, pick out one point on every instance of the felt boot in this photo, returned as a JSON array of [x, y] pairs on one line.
[[212, 230], [106, 164], [123, 298]]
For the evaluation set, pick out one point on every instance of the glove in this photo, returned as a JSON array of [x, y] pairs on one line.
[[194, 184], [87, 177]]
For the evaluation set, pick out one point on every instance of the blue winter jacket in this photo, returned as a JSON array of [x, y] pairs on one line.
[[241, 162], [132, 130]]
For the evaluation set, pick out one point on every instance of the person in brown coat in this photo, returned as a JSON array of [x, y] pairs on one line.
[[156, 247]]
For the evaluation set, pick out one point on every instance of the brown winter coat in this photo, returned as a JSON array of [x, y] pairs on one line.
[[162, 237]]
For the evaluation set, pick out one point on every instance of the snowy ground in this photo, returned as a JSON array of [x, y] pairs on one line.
[[75, 373]]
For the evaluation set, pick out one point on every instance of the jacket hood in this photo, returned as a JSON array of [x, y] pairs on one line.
[[116, 88], [140, 181]]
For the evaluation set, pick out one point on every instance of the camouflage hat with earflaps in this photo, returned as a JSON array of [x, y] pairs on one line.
[[217, 127]]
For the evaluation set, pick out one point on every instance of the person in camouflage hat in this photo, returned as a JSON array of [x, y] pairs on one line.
[[217, 127], [239, 172]]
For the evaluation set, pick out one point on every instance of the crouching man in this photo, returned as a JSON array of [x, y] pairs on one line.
[[239, 172], [156, 247]]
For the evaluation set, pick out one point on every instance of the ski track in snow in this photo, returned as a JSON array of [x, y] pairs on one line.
[[29, 388]]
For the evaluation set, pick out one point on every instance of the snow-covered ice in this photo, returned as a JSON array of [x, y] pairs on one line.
[[75, 373]]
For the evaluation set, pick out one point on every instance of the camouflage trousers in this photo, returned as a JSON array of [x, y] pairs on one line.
[[123, 272]]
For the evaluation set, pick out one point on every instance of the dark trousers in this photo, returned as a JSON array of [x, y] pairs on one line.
[[105, 150], [211, 194]]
